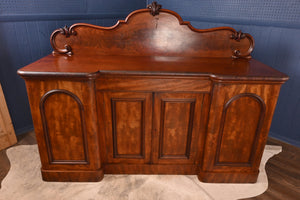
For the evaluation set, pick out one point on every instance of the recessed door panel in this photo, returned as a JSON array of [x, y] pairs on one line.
[[128, 119], [127, 127], [176, 127]]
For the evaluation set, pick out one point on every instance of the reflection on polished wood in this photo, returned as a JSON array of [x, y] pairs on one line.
[[151, 95]]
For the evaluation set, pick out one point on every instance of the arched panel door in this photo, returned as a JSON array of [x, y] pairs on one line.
[[240, 127], [63, 120]]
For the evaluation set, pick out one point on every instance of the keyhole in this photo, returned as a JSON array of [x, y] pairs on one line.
[[156, 22]]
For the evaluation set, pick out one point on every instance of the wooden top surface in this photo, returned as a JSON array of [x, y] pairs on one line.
[[89, 66]]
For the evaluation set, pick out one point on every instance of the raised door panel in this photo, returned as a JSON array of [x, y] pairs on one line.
[[176, 127], [64, 127], [128, 119]]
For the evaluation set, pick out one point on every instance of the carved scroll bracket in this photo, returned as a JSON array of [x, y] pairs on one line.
[[154, 8], [238, 36], [64, 31]]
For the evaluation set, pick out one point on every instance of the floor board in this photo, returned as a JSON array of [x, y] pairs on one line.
[[283, 174], [283, 170]]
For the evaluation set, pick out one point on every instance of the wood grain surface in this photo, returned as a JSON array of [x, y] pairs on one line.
[[89, 65], [144, 34]]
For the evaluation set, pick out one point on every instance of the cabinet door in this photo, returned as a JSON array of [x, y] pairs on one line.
[[176, 127], [128, 120], [239, 120]]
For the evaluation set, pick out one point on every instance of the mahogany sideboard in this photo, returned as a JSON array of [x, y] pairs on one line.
[[151, 95]]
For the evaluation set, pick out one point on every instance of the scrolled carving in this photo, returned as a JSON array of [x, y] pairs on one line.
[[154, 8], [238, 36], [235, 44], [64, 31]]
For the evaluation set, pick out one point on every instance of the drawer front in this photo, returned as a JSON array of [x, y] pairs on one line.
[[154, 84]]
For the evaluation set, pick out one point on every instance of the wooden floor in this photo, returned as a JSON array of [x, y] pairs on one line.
[[283, 170]]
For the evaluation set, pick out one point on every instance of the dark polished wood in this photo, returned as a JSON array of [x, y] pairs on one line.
[[151, 95], [177, 118], [128, 120], [152, 32]]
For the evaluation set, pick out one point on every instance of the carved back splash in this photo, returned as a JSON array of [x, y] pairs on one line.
[[152, 32]]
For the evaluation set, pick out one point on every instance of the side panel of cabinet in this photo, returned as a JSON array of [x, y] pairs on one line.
[[128, 120], [176, 127]]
